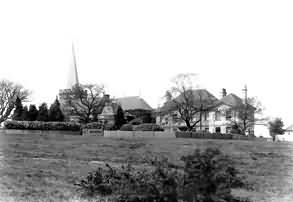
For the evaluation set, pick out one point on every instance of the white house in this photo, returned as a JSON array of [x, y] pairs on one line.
[[219, 118]]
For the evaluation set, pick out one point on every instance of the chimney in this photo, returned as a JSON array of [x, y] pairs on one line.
[[107, 98], [224, 92]]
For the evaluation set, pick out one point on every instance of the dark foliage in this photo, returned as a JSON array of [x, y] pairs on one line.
[[24, 115], [43, 114], [127, 127], [39, 125], [17, 114], [32, 113], [207, 176], [55, 113], [148, 127], [119, 118], [128, 185]]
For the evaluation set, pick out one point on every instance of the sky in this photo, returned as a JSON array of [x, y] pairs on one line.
[[136, 47]]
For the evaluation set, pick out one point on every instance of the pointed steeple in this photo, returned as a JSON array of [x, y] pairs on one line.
[[73, 75]]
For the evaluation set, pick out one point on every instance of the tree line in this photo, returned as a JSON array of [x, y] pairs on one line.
[[42, 113]]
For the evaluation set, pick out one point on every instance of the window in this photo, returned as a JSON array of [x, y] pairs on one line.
[[228, 114], [217, 116], [228, 130], [218, 130], [206, 116]]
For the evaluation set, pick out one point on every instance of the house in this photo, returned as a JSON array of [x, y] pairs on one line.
[[135, 107], [218, 117]]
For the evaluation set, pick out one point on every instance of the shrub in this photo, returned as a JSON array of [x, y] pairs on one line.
[[207, 176], [183, 128], [126, 127], [39, 125], [93, 125], [148, 127], [128, 185], [202, 135], [136, 121]]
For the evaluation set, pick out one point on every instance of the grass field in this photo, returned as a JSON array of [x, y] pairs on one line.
[[44, 168]]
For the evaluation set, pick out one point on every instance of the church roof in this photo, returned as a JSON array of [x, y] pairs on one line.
[[133, 103]]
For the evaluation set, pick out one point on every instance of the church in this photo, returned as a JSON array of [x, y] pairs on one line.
[[133, 106]]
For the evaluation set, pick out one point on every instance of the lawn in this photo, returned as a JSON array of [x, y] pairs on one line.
[[44, 168]]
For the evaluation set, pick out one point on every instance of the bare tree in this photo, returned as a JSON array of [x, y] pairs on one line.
[[86, 101], [246, 115], [9, 91], [189, 102]]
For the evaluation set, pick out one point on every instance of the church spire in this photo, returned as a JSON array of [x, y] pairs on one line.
[[73, 75]]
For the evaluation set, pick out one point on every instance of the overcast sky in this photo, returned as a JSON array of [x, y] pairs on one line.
[[136, 47]]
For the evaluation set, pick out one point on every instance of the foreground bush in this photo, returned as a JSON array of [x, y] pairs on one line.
[[39, 125], [207, 176], [148, 127]]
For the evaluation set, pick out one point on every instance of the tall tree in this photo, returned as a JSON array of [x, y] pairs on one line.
[[43, 114], [55, 112], [32, 113], [9, 92], [246, 115], [119, 117], [17, 114], [24, 115], [86, 101], [189, 102], [276, 127]]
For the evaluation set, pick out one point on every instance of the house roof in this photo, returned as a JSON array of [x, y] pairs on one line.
[[290, 128], [232, 100], [198, 95], [132, 103]]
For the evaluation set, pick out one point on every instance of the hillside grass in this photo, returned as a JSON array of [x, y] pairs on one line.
[[44, 168]]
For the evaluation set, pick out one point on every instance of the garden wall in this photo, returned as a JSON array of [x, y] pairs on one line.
[[38, 132], [144, 134]]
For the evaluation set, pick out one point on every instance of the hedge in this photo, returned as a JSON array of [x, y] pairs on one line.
[[39, 125], [205, 135], [126, 127], [93, 125], [148, 127]]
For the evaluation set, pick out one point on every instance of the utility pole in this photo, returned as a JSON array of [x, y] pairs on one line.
[[245, 94]]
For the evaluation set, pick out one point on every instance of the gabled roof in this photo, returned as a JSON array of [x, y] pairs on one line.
[[133, 103], [198, 95], [232, 100], [290, 128]]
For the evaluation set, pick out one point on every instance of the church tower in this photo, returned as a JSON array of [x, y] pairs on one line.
[[72, 80]]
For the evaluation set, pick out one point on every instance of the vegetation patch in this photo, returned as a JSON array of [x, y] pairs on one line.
[[208, 176]]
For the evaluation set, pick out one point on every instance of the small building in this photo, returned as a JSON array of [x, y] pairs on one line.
[[135, 107]]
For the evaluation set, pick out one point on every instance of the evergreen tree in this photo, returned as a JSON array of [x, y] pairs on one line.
[[276, 127], [24, 115], [43, 114], [119, 118], [17, 114], [55, 113], [32, 113]]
